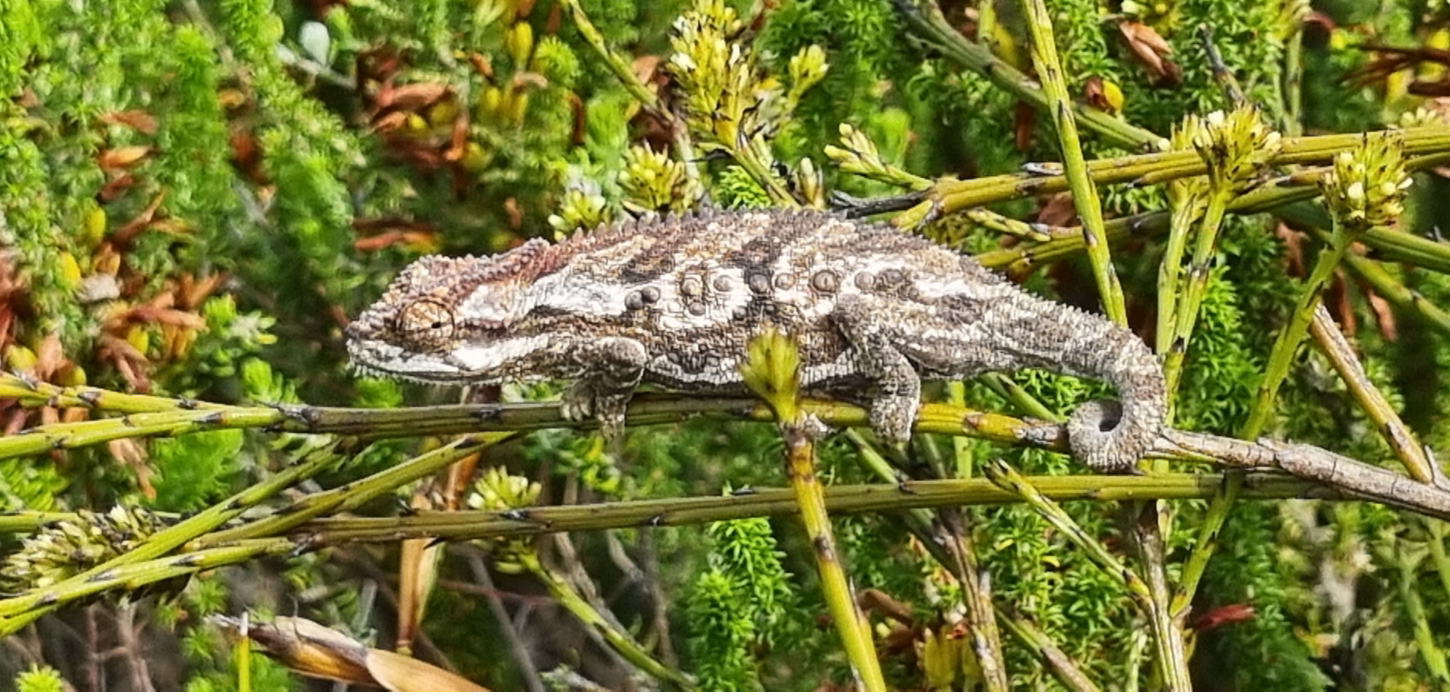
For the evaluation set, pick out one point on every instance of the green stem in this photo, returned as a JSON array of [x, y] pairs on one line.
[[851, 624], [356, 493], [976, 587], [1171, 668], [1059, 663], [1194, 287], [1206, 545], [1430, 652], [1179, 224], [1285, 197], [1397, 435], [949, 195], [1286, 346], [854, 499], [131, 576], [679, 134], [925, 20], [186, 531], [1293, 89], [616, 638]]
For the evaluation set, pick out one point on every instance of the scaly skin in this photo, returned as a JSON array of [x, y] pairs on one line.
[[674, 302]]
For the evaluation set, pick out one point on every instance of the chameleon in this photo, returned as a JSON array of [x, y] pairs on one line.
[[674, 301]]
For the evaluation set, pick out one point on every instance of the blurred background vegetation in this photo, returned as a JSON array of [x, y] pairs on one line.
[[195, 196]]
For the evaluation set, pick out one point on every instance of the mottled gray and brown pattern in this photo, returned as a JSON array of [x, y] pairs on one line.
[[673, 302]]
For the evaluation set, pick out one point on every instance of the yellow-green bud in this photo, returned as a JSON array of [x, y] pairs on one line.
[[579, 210], [520, 43], [652, 181], [1236, 146], [500, 490], [1366, 186]]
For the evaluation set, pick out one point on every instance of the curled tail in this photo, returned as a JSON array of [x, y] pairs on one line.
[[1113, 435]]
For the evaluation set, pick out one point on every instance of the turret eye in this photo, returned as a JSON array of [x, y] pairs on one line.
[[427, 323]]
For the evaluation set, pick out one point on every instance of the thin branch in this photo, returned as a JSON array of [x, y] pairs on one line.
[[1084, 190], [516, 645], [949, 195], [1058, 662], [925, 20], [1170, 667], [1401, 439], [1368, 481]]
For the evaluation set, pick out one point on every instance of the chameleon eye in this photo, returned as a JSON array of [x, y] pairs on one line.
[[426, 322]]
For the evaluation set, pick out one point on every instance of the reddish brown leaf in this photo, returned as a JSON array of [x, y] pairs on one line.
[[1293, 248], [515, 212], [524, 79], [137, 119], [116, 187], [874, 599], [1223, 615], [1058, 210], [411, 97], [1024, 119], [130, 453], [48, 357], [645, 67], [15, 421], [194, 291], [392, 121], [481, 64], [419, 239], [122, 237], [1093, 94], [1321, 20], [1341, 307], [1384, 313], [134, 118], [459, 138]]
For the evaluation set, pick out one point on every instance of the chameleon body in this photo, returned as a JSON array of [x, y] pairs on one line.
[[674, 302]]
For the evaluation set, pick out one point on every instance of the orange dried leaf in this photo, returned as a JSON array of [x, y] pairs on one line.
[[122, 157], [412, 96], [136, 119]]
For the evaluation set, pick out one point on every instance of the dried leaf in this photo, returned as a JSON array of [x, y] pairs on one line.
[[123, 236], [123, 157], [1293, 249], [1223, 615], [1058, 210], [410, 97], [1103, 94], [405, 674], [1384, 313], [1024, 119], [116, 186], [1337, 300], [136, 119], [322, 652], [1152, 51]]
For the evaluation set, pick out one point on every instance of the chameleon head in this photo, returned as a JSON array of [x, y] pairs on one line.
[[449, 319]]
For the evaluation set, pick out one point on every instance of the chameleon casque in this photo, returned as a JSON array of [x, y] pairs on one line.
[[674, 302]]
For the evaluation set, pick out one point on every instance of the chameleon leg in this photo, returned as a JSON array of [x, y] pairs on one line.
[[615, 367], [897, 387]]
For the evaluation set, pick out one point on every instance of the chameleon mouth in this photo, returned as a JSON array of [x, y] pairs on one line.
[[391, 362]]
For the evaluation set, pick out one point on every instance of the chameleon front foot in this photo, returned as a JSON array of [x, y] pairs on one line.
[[586, 400], [893, 416]]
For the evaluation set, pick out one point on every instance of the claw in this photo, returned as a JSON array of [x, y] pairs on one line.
[[892, 417]]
